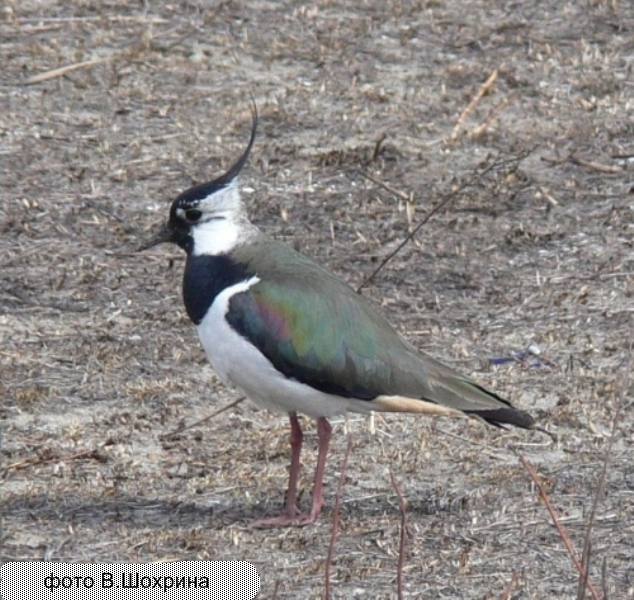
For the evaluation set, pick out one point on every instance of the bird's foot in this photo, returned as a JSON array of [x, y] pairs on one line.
[[307, 518], [284, 520]]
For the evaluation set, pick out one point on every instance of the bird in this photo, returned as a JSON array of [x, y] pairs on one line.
[[294, 338]]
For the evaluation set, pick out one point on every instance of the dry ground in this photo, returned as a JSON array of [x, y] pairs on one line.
[[98, 359]]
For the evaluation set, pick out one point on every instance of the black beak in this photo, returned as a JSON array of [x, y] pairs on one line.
[[164, 235]]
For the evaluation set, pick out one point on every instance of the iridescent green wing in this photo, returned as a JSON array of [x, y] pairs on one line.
[[315, 329]]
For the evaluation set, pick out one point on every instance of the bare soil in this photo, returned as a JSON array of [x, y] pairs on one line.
[[98, 359]]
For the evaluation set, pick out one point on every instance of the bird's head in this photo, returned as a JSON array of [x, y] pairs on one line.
[[209, 217]]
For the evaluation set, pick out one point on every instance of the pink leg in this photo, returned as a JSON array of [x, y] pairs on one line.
[[296, 449], [324, 431], [288, 517]]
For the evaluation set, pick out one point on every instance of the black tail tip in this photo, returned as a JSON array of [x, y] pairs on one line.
[[505, 416]]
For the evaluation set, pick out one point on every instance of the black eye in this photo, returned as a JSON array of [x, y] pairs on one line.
[[192, 215]]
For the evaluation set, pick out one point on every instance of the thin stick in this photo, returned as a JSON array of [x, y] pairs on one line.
[[167, 436], [582, 162], [559, 527], [385, 186], [124, 18], [585, 557], [554, 161], [509, 588], [30, 462], [444, 202], [480, 129], [63, 70], [335, 517], [583, 579], [401, 546], [474, 101]]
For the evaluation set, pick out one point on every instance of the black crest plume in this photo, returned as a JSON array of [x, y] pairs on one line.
[[233, 172]]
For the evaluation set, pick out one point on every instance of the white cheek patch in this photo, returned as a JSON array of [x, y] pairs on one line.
[[214, 237], [220, 227]]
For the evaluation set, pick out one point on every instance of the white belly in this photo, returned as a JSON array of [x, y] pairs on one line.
[[238, 362]]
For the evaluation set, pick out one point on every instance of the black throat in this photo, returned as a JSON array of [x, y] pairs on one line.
[[205, 277]]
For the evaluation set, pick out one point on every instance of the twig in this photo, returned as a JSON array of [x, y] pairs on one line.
[[480, 129], [30, 462], [63, 70], [444, 202], [385, 186], [582, 162], [401, 546], [548, 196], [585, 557], [474, 101], [335, 517], [554, 161], [559, 527], [167, 436], [276, 588], [509, 588], [123, 18], [583, 578]]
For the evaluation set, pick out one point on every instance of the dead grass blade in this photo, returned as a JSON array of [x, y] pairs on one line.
[[562, 532], [377, 146], [480, 129], [575, 159], [484, 88], [582, 162], [385, 186], [401, 546], [335, 518], [587, 546], [63, 70], [167, 436], [30, 462], [449, 197]]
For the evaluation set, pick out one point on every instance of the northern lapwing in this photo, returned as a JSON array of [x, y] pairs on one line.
[[294, 338]]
